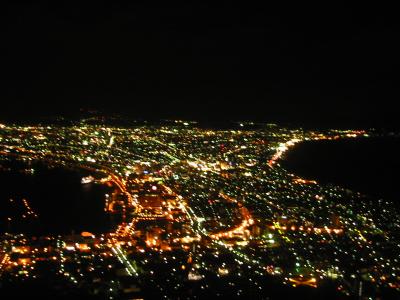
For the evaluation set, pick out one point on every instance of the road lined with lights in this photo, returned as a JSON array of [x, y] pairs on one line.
[[200, 203]]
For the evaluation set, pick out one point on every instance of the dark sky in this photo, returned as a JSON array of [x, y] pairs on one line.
[[306, 65]]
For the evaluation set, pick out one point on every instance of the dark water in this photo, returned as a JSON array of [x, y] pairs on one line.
[[368, 165], [61, 202]]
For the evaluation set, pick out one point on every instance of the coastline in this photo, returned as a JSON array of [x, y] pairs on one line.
[[328, 162]]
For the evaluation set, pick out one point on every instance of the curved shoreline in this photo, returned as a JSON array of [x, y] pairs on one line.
[[73, 166], [321, 174]]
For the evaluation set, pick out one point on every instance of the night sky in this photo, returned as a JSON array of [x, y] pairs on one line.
[[331, 65]]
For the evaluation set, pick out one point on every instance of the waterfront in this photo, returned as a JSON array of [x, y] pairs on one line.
[[369, 166], [201, 212], [56, 196]]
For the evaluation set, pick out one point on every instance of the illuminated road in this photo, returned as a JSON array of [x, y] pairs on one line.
[[124, 260]]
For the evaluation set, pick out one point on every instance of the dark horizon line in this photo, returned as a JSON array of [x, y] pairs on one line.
[[209, 121]]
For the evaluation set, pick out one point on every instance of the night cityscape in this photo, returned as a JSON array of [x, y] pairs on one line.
[[199, 151], [198, 212]]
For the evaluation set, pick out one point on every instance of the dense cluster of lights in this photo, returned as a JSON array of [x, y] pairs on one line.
[[197, 204]]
